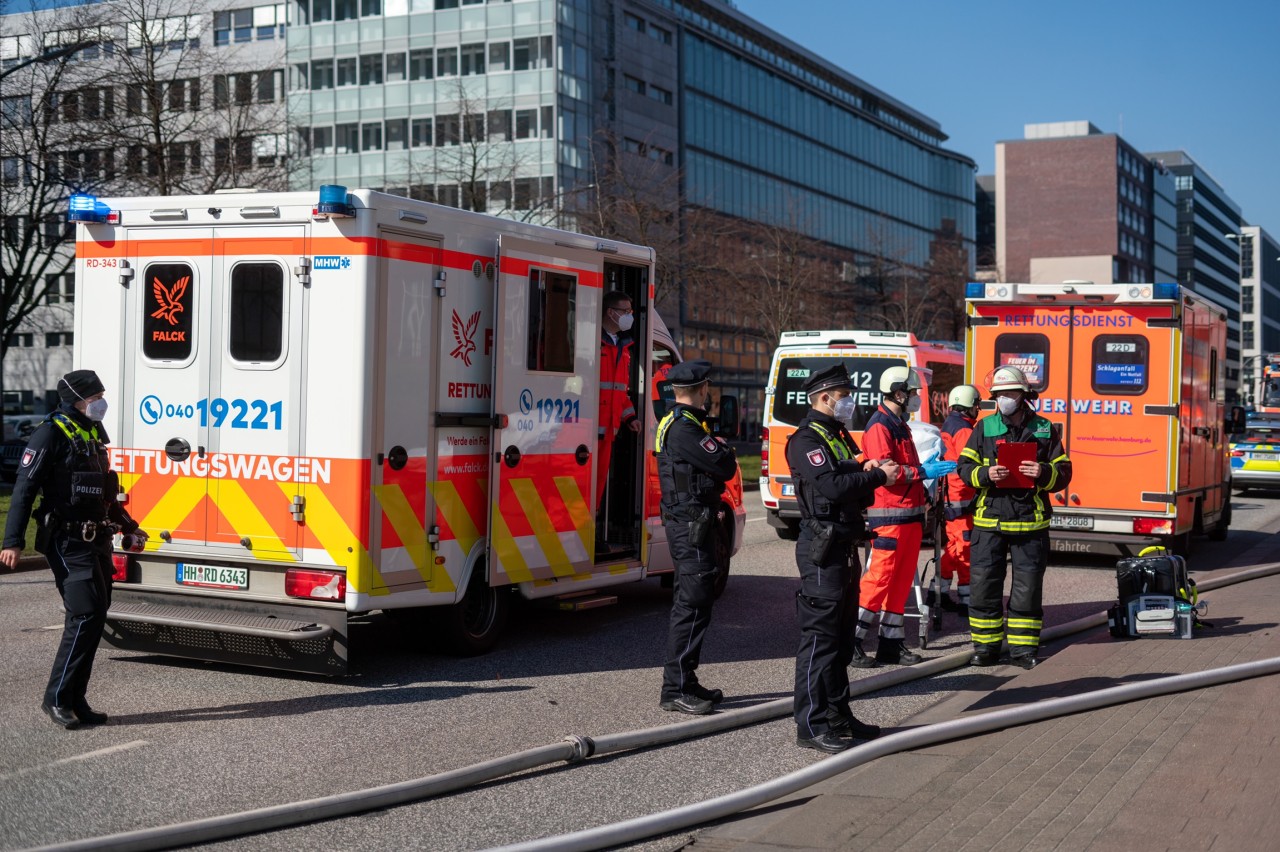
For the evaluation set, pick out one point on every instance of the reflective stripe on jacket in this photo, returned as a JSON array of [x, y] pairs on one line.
[[615, 370], [1014, 510], [889, 437], [960, 494]]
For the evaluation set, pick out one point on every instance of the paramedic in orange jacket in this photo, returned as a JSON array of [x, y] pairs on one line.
[[958, 510], [616, 410], [896, 519]]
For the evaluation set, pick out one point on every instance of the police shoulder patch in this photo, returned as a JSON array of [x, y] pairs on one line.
[[816, 458], [709, 444]]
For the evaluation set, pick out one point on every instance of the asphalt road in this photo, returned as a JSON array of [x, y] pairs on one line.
[[190, 740]]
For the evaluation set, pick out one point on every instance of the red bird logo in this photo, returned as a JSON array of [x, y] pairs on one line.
[[465, 335], [170, 299]]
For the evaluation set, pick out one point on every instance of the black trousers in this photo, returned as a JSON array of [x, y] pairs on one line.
[[1029, 554], [82, 572], [692, 594], [827, 610]]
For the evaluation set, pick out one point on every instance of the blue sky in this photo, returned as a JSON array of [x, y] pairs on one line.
[[1176, 75]]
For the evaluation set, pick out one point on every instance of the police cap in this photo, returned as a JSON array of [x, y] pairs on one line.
[[835, 376], [689, 374]]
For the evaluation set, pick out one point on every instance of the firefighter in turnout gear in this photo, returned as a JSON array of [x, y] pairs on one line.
[[959, 496], [693, 468], [1010, 520], [896, 518], [832, 487], [66, 461]]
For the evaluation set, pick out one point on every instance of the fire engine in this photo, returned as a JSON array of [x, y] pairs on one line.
[[1133, 375], [866, 354], [326, 407], [1270, 401]]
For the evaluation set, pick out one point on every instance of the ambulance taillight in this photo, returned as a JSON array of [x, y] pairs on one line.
[[315, 585], [122, 568], [1153, 526], [764, 451]]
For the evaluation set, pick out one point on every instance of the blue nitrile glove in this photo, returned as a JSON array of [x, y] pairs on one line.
[[935, 469]]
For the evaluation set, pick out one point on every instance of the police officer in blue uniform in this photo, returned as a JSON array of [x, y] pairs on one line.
[[66, 461], [832, 488], [693, 468]]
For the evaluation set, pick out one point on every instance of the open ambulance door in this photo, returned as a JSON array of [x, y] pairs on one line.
[[545, 396]]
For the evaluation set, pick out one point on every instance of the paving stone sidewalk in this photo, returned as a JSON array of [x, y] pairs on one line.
[[1194, 770]]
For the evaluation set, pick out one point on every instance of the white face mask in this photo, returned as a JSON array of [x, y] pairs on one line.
[[1008, 405], [913, 404], [97, 409], [625, 321], [843, 411]]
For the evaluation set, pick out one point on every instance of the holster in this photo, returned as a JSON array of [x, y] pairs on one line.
[[824, 539], [700, 526], [44, 530]]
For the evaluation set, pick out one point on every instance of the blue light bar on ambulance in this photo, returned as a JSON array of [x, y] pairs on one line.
[[87, 208], [1166, 290], [975, 290], [334, 202]]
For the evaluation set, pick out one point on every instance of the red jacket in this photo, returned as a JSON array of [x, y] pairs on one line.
[[955, 434], [615, 369], [889, 437]]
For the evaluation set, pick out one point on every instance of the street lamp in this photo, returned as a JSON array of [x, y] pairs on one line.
[[65, 50]]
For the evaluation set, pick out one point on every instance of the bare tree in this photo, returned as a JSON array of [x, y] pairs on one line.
[[476, 160], [148, 105]]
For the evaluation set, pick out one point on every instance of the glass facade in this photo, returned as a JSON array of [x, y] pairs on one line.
[[760, 146], [453, 101]]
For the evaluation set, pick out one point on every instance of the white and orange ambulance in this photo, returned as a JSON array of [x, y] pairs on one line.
[[866, 354], [326, 406], [1133, 374]]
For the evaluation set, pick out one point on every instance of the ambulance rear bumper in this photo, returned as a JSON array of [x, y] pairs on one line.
[[276, 636]]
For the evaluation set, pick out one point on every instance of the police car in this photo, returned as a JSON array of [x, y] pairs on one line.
[[1255, 454]]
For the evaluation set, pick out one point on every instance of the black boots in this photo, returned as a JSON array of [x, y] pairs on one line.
[[895, 653], [860, 658]]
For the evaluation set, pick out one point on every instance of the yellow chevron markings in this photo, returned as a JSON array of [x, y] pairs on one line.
[[240, 511], [508, 552], [173, 507], [329, 528], [579, 511], [543, 530], [455, 514]]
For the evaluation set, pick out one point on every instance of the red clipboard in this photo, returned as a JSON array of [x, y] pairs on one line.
[[1011, 455]]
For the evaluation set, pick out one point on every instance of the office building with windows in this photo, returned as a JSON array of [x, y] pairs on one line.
[[1209, 261], [1259, 308], [1073, 202], [515, 107]]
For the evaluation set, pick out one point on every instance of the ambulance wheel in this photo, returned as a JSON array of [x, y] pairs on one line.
[[472, 625], [1218, 532], [1179, 545], [722, 557]]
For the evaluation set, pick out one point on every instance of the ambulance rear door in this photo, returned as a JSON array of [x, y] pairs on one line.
[[1122, 421], [216, 384], [545, 402]]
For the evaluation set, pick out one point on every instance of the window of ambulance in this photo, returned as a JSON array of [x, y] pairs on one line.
[[1119, 364], [790, 404], [944, 378], [1029, 353]]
